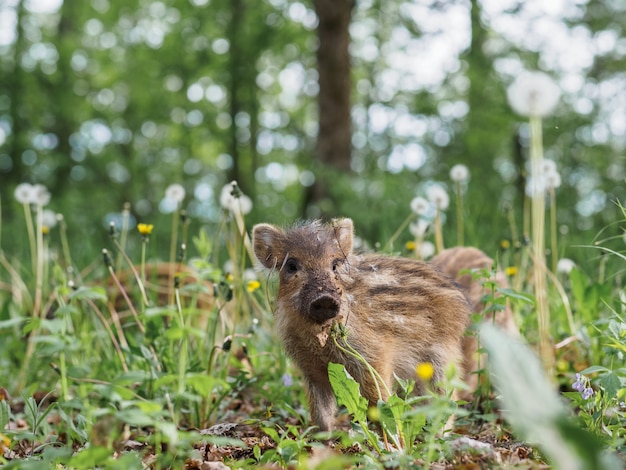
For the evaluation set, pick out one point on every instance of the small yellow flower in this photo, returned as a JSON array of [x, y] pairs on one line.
[[45, 229], [251, 286], [5, 443], [505, 244], [425, 371], [145, 229], [410, 245], [511, 271]]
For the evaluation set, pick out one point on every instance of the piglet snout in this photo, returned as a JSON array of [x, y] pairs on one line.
[[324, 308]]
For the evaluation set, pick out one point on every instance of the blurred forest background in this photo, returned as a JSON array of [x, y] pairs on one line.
[[106, 102]]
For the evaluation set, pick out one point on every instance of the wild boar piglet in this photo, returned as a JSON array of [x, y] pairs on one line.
[[397, 312]]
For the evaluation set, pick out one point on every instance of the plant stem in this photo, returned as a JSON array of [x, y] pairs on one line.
[[438, 232], [538, 243], [459, 215], [553, 241]]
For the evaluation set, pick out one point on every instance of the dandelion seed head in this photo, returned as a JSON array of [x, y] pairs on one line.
[[249, 274], [420, 205], [535, 186], [553, 180], [438, 196], [175, 192], [41, 195], [239, 203], [418, 229], [533, 94], [459, 173], [25, 193], [565, 266], [548, 166], [49, 218], [427, 249]]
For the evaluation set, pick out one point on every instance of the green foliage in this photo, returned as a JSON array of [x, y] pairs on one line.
[[535, 410]]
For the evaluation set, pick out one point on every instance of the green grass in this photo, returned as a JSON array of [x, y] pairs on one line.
[[104, 370]]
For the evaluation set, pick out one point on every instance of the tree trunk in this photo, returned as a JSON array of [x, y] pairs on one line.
[[334, 141]]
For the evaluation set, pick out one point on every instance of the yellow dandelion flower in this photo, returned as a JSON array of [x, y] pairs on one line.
[[410, 245], [505, 244], [425, 371], [251, 286], [511, 271], [145, 229]]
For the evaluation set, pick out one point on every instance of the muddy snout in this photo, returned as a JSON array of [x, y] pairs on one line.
[[324, 307]]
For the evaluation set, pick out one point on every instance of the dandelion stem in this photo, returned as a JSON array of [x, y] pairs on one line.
[[459, 215], [123, 235], [438, 232], [538, 242], [397, 233], [132, 268], [553, 237], [173, 244], [31, 235]]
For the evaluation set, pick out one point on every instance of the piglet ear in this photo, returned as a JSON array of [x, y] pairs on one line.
[[268, 243], [344, 230]]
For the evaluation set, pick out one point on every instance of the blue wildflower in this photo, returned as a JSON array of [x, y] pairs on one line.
[[579, 384], [287, 380], [587, 393]]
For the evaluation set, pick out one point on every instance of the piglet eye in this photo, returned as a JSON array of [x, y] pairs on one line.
[[336, 264], [291, 266]]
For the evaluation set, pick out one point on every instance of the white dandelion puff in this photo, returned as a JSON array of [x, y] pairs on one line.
[[459, 173], [438, 196], [418, 229], [175, 192], [41, 195], [231, 203], [533, 94], [49, 218], [419, 205], [25, 193], [427, 249], [552, 180], [565, 266]]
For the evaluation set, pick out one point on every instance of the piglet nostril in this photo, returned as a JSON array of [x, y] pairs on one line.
[[324, 308]]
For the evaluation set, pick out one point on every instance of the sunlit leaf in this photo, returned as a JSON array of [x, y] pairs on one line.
[[347, 391]]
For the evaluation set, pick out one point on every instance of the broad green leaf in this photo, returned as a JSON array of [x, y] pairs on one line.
[[593, 369], [201, 383], [91, 293], [150, 407], [10, 323], [5, 414], [132, 377], [134, 417], [578, 283], [532, 406], [90, 457], [347, 391], [611, 384]]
